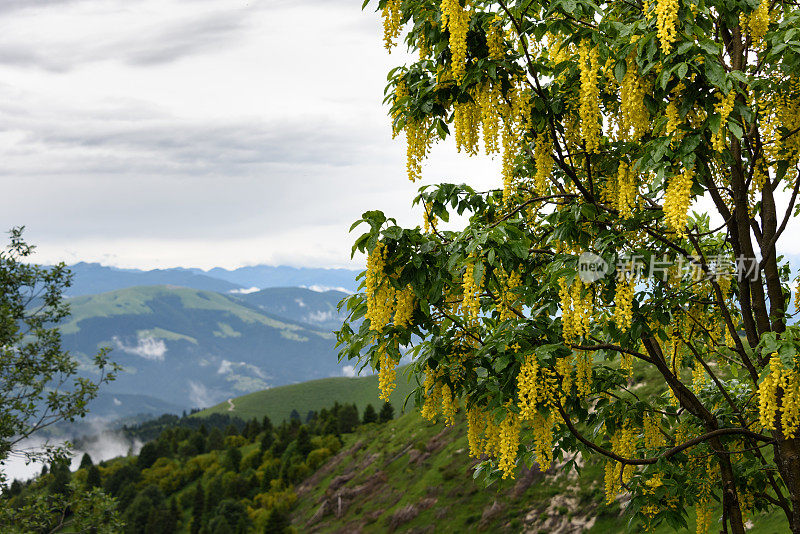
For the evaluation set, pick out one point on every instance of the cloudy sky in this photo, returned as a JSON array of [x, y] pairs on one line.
[[153, 133]]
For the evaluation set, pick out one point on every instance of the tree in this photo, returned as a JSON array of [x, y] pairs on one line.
[[387, 412], [588, 270], [40, 383], [93, 478], [348, 418], [369, 415], [198, 509], [86, 461]]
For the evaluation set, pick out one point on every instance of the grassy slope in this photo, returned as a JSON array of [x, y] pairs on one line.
[[425, 469], [135, 301], [278, 403]]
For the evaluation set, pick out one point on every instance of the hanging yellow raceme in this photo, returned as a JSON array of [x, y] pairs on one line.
[[528, 387], [627, 191], [623, 443], [635, 119], [456, 19], [779, 394], [379, 292], [509, 443], [418, 144], [589, 110], [495, 40], [758, 22], [666, 22], [623, 302], [405, 307], [476, 424], [392, 21], [387, 374], [676, 201], [489, 100], [768, 394], [472, 289], [467, 126], [724, 108], [543, 158]]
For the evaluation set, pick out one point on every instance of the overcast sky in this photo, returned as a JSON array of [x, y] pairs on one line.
[[153, 133]]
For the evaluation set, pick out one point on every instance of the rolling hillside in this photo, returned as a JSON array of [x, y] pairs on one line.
[[277, 403], [195, 348], [316, 308]]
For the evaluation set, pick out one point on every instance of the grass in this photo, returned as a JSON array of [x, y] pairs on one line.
[[446, 497], [277, 403]]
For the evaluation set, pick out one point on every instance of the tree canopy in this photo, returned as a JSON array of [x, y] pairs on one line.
[[649, 159]]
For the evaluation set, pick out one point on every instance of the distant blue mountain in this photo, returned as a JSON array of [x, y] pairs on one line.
[[93, 278], [263, 276]]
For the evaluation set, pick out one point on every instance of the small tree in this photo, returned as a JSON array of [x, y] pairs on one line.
[[86, 461], [40, 384], [370, 416], [587, 269], [387, 412]]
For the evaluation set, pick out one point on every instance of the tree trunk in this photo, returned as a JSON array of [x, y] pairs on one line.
[[787, 458]]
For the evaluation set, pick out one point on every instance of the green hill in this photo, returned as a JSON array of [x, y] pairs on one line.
[[277, 403], [191, 348]]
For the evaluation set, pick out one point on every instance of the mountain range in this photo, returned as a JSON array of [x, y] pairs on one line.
[[92, 278], [182, 348]]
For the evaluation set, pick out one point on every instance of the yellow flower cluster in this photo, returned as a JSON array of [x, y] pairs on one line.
[[758, 22], [623, 443], [788, 382], [667, 21], [489, 99], [467, 124], [627, 191], [380, 293], [590, 96], [400, 91], [543, 158], [673, 120], [449, 405], [542, 428], [635, 119], [651, 433], [676, 201], [576, 309], [626, 364], [528, 387], [564, 367], [498, 441], [475, 425], [387, 374], [456, 19], [724, 108], [418, 143], [472, 290], [583, 373], [495, 40], [392, 21], [433, 395], [705, 515], [509, 443], [508, 297], [623, 302], [405, 307], [699, 377]]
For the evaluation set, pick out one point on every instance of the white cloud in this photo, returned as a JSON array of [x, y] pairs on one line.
[[215, 148], [147, 347], [199, 395], [319, 316], [300, 303], [225, 367], [245, 291], [322, 289], [117, 402], [349, 371]]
